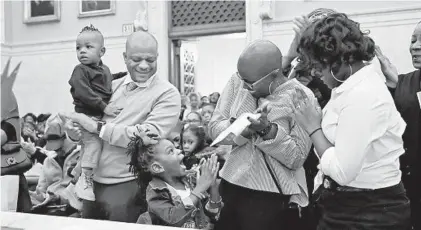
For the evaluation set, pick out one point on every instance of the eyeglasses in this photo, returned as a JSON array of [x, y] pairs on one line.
[[250, 86]]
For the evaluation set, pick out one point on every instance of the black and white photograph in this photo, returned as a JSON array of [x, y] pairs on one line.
[[211, 115], [36, 11], [91, 8]]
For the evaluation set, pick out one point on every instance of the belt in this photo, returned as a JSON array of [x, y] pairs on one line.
[[330, 184]]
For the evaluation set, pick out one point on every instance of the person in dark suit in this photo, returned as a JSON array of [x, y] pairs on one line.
[[406, 91]]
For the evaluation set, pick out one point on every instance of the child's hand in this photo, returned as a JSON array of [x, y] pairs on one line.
[[208, 173], [112, 110]]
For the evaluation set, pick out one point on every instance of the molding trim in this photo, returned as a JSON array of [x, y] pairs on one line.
[[409, 15], [51, 47]]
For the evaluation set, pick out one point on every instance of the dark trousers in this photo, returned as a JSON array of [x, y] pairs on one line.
[[381, 209], [115, 202], [246, 209]]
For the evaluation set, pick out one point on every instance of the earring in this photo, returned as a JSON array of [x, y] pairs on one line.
[[270, 86], [333, 75], [350, 68]]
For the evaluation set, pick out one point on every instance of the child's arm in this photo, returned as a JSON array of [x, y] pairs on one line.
[[81, 87]]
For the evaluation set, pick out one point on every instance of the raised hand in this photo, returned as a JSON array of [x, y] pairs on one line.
[[300, 24], [388, 69]]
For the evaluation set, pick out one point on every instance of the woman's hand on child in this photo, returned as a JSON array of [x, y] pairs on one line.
[[208, 172]]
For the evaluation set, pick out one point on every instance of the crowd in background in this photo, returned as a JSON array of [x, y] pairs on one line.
[[294, 132]]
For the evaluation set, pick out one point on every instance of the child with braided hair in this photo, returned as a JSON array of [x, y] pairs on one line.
[[174, 196]]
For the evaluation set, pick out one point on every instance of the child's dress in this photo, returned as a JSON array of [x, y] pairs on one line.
[[171, 207]]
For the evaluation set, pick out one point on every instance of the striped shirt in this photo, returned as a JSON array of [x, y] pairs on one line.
[[285, 153]]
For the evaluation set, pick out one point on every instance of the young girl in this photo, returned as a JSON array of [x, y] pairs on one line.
[[172, 196], [195, 146]]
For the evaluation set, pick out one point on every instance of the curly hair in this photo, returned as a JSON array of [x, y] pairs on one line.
[[199, 132], [334, 40]]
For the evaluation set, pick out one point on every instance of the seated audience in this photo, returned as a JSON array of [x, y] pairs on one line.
[[55, 185]]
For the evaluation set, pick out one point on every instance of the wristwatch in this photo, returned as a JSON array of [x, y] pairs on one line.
[[99, 126]]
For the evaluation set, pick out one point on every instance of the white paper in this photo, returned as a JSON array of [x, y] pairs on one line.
[[419, 97], [236, 128]]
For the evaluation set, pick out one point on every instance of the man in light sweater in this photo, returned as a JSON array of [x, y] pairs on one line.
[[149, 103]]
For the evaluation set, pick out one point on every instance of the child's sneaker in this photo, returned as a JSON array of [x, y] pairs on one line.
[[84, 187]]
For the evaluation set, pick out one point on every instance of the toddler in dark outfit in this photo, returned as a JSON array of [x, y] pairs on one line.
[[91, 91]]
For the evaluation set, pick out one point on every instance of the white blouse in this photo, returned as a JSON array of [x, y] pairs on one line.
[[362, 123]]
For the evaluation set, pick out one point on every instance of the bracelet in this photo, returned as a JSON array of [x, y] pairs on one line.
[[314, 131], [217, 202]]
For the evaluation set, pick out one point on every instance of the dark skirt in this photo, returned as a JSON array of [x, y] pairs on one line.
[[380, 209]]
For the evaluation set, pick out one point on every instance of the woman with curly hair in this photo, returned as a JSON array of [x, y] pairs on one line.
[[358, 136]]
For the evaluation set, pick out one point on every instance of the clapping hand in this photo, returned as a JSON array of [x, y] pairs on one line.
[[307, 111], [388, 69], [208, 172], [28, 147]]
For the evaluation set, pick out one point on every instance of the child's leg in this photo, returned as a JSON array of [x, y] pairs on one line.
[[91, 151]]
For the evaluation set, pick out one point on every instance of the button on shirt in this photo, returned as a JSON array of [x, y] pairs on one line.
[[362, 123]]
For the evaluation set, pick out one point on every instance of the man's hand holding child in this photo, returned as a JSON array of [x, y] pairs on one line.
[[112, 110]]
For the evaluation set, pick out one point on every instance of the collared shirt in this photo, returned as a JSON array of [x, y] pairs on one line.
[[362, 123], [128, 79], [285, 153]]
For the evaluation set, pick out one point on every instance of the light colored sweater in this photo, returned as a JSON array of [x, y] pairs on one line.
[[155, 105]]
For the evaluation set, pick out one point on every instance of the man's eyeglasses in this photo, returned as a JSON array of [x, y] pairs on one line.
[[250, 86]]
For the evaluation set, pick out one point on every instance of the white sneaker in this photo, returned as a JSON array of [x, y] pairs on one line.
[[84, 187]]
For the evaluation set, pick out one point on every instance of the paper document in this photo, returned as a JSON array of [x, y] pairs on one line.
[[236, 128]]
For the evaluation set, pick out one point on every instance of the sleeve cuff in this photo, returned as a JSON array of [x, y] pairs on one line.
[[326, 159]]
